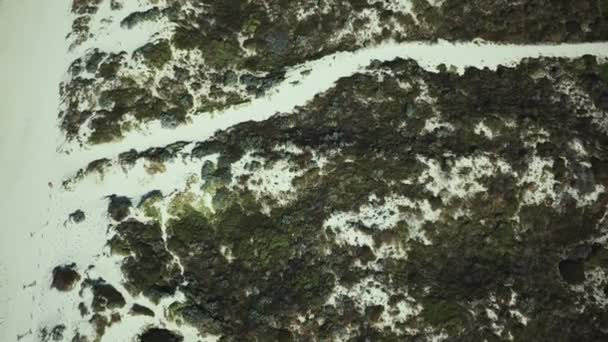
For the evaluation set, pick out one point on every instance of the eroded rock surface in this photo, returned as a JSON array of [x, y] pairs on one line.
[[400, 204], [148, 263]]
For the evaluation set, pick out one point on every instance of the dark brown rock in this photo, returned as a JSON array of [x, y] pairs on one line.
[[65, 277], [160, 335], [137, 309]]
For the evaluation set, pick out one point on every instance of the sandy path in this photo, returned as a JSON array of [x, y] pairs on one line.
[[32, 62], [325, 72]]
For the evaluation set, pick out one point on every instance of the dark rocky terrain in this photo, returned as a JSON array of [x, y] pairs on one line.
[[420, 205], [401, 204]]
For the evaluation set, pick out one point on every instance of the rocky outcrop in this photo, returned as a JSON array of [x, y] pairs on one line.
[[65, 277], [400, 204]]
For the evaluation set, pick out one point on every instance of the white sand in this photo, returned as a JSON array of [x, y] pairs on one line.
[[32, 62]]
